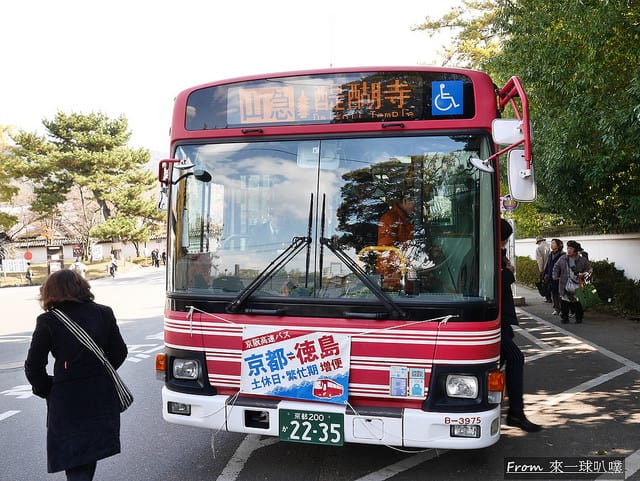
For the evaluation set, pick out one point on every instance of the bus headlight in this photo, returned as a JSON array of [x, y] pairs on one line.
[[186, 369], [462, 386]]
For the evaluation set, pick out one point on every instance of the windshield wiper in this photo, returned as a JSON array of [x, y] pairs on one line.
[[297, 244], [392, 308]]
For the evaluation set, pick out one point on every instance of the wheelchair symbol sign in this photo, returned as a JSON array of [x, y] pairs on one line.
[[446, 97]]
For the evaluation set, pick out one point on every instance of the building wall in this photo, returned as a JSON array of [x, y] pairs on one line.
[[127, 250], [621, 249]]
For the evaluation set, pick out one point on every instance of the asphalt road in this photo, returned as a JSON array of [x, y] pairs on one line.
[[582, 382]]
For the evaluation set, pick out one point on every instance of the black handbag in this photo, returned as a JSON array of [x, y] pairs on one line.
[[124, 395]]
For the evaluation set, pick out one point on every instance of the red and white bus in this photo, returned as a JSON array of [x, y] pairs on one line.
[[333, 255]]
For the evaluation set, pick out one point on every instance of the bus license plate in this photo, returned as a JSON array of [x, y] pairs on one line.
[[311, 427]]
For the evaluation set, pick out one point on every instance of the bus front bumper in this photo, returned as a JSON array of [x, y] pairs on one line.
[[397, 427]]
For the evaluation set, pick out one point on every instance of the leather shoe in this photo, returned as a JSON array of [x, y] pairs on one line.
[[521, 421]]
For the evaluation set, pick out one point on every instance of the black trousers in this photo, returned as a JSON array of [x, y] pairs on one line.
[[566, 306], [555, 298], [82, 473], [511, 355]]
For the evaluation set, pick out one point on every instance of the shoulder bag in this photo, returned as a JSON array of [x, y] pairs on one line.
[[124, 395], [572, 286]]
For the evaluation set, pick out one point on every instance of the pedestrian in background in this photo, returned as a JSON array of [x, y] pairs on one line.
[[542, 254], [113, 265], [79, 268], [556, 253], [510, 353], [83, 418], [29, 274], [570, 271]]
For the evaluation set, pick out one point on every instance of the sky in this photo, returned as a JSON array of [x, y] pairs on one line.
[[132, 57]]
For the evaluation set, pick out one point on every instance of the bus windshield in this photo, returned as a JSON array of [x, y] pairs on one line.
[[335, 218]]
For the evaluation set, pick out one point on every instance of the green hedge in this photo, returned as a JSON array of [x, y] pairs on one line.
[[620, 294], [527, 272]]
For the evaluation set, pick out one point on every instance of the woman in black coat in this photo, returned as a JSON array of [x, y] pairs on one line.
[[83, 422]]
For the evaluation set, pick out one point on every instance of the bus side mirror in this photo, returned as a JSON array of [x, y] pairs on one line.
[[522, 185], [507, 131]]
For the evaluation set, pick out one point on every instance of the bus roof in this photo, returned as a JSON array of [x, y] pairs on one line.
[[354, 99], [477, 75]]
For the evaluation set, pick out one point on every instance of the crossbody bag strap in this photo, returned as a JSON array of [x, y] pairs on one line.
[[87, 341], [80, 334]]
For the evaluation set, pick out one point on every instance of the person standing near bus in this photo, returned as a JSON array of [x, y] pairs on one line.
[[83, 409], [510, 353], [570, 271], [542, 254], [556, 253]]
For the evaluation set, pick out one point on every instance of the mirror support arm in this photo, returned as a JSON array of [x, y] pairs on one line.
[[502, 151], [513, 88]]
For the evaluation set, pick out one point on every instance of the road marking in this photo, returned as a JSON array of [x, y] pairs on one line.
[[632, 462], [543, 348], [628, 365], [20, 392], [137, 355], [249, 444], [585, 386], [401, 466], [606, 352], [11, 365], [7, 414], [134, 348], [631, 465], [533, 339], [157, 348], [15, 338]]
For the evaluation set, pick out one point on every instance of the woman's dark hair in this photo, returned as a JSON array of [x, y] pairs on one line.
[[559, 243], [64, 286], [575, 245]]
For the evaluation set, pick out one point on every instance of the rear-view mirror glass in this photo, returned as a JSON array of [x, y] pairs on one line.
[[522, 184]]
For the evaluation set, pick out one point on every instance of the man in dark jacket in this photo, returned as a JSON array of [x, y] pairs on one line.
[[510, 353], [83, 422], [555, 254]]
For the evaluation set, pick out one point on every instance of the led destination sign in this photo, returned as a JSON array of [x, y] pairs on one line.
[[378, 100], [332, 98]]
